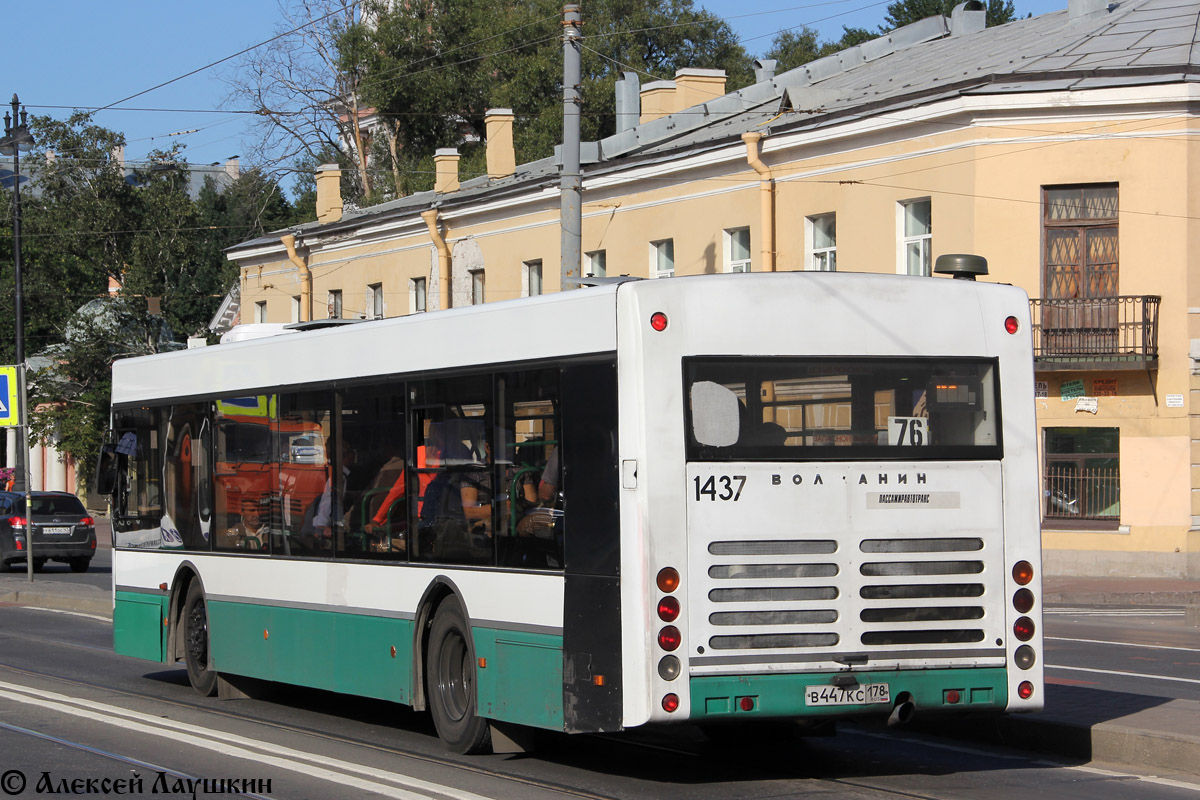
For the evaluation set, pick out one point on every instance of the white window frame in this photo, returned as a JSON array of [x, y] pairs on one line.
[[595, 264], [656, 247], [418, 295], [531, 277], [374, 307], [334, 307], [260, 311], [903, 240], [739, 264], [478, 287], [819, 259], [295, 308]]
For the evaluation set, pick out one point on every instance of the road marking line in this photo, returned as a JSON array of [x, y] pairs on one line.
[[72, 613], [1147, 778], [1124, 674], [1123, 644], [318, 766]]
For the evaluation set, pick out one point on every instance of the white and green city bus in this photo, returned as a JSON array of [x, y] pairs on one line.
[[719, 499]]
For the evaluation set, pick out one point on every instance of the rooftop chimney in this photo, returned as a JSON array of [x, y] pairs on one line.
[[764, 70], [233, 167], [445, 163], [968, 17], [696, 86], [628, 101], [657, 99], [329, 193], [501, 158], [1083, 8]]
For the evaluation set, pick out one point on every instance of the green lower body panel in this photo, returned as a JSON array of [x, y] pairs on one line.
[[138, 625], [788, 695], [521, 679], [349, 653]]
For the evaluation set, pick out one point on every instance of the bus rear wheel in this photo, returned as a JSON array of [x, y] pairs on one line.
[[195, 641], [450, 671]]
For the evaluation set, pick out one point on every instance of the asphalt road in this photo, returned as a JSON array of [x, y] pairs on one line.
[[73, 710]]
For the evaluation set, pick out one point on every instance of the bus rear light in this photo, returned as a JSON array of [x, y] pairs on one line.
[[1023, 601], [951, 696], [1024, 657], [658, 321], [668, 668], [668, 609], [746, 703], [1011, 325], [1022, 573], [669, 638], [1023, 629], [668, 579], [670, 702], [1025, 690]]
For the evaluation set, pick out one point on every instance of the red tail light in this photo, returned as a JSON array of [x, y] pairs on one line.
[[658, 321], [670, 702], [1011, 325], [668, 609], [1023, 629], [87, 521], [1025, 690], [1023, 601], [17, 522], [669, 638]]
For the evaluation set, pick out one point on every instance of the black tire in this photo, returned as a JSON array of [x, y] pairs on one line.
[[450, 680], [194, 623], [79, 564]]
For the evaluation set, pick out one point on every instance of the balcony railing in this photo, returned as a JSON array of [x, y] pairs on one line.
[[1077, 495], [1096, 333]]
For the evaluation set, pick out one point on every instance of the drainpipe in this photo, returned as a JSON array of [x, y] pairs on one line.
[[431, 221], [766, 194], [289, 244]]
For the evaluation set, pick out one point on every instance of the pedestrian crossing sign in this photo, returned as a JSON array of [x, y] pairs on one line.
[[8, 397]]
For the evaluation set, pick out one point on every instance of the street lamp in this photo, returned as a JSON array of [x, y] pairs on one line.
[[17, 139]]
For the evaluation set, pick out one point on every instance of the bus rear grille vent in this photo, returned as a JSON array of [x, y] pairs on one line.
[[815, 617], [734, 571], [927, 614], [961, 545], [921, 591], [773, 641], [922, 637], [895, 568], [773, 547], [773, 594]]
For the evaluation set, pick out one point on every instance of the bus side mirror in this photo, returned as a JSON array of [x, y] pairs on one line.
[[105, 479]]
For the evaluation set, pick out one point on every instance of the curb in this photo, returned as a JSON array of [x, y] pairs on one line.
[[101, 605], [1083, 598]]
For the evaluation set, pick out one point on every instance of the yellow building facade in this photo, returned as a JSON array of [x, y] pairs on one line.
[[1058, 147]]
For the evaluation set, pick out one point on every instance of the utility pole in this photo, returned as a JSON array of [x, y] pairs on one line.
[[571, 194]]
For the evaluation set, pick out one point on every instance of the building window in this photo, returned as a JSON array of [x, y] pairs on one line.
[[1079, 228], [295, 308], [1083, 477], [260, 311], [737, 250], [375, 301], [821, 234], [662, 258], [476, 287], [416, 295], [915, 224], [531, 278], [594, 264], [335, 304]]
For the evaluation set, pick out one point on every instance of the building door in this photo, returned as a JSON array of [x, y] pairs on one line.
[[1080, 267]]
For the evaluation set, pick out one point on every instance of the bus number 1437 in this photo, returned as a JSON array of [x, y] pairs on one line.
[[720, 487]]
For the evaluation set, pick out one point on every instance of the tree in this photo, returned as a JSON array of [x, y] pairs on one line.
[[432, 69], [307, 104]]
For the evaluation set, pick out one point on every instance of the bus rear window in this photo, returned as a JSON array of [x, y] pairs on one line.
[[835, 409]]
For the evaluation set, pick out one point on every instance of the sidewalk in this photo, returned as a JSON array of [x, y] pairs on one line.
[[1078, 722]]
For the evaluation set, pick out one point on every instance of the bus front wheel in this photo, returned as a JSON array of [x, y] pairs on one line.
[[450, 670], [195, 641]]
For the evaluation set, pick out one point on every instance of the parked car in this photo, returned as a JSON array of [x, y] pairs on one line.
[[62, 530]]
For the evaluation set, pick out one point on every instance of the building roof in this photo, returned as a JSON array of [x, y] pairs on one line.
[[1091, 44]]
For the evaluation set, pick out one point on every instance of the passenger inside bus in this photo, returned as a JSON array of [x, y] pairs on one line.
[[251, 531]]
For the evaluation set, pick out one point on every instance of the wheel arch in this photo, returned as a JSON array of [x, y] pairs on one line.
[[435, 594], [185, 573]]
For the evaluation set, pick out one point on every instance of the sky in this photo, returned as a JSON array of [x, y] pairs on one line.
[[89, 54]]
